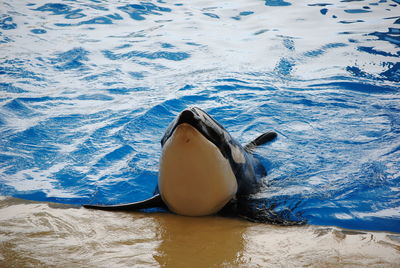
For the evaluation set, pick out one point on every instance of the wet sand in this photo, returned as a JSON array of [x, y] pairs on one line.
[[52, 235]]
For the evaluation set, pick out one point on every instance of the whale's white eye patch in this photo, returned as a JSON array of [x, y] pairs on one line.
[[237, 154]]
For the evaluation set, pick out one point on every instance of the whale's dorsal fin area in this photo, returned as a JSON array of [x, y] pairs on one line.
[[152, 202], [260, 140]]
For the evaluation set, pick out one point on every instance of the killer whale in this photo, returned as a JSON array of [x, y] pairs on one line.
[[203, 169]]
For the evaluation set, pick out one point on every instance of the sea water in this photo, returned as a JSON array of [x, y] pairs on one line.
[[87, 89]]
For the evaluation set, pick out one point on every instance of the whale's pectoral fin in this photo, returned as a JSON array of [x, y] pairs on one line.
[[152, 202], [260, 140]]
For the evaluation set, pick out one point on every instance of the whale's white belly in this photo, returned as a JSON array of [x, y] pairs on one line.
[[194, 177]]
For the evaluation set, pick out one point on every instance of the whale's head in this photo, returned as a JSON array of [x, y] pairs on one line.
[[195, 176]]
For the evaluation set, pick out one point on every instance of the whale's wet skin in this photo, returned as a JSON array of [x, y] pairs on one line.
[[88, 88], [195, 178], [203, 170]]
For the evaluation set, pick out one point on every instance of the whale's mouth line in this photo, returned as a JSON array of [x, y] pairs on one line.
[[202, 123], [189, 117]]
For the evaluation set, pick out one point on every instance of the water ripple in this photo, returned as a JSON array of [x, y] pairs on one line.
[[88, 88], [139, 11]]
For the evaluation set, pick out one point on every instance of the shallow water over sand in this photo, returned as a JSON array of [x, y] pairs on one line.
[[52, 235]]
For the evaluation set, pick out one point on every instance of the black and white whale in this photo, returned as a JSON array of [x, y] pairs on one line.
[[202, 168]]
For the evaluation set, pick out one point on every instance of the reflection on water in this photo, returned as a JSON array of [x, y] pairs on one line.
[[48, 235], [202, 242]]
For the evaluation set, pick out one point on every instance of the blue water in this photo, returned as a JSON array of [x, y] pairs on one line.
[[88, 88]]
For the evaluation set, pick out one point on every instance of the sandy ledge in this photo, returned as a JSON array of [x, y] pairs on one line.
[[52, 235]]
